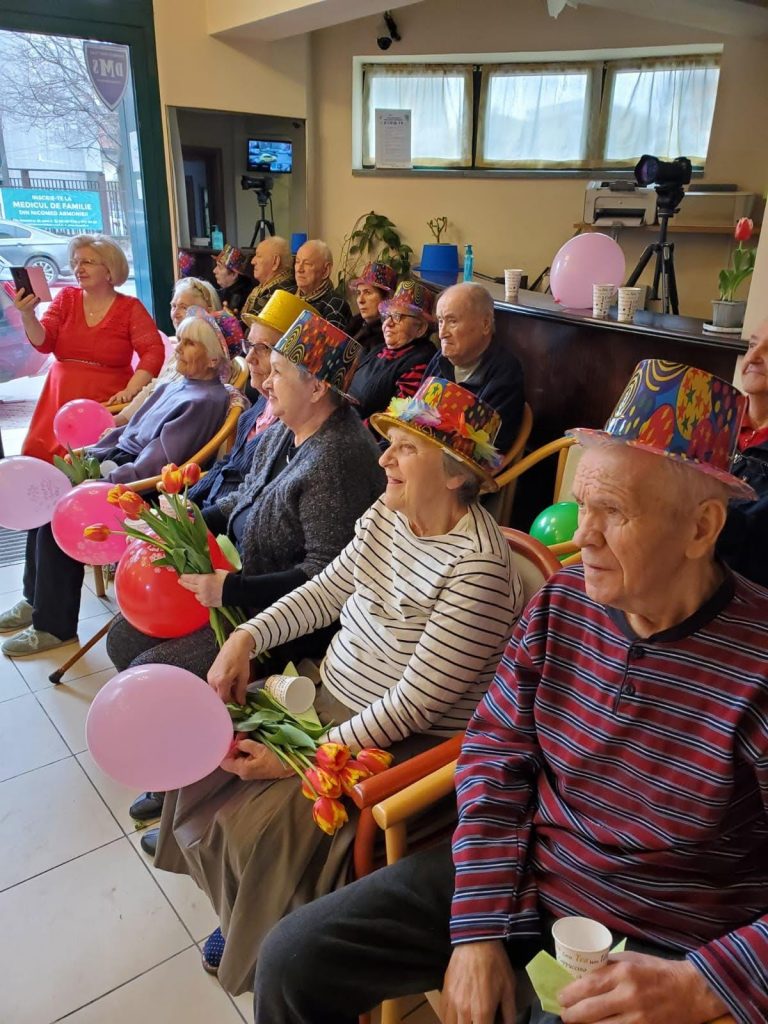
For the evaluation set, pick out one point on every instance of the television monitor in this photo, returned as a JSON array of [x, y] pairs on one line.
[[270, 157]]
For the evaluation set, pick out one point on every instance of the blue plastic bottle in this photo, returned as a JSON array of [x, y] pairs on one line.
[[217, 239], [469, 262]]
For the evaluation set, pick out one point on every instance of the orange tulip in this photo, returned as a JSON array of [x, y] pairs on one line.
[[351, 774], [744, 229], [332, 756], [319, 782], [374, 760], [114, 493], [132, 504], [329, 815], [172, 478], [191, 474], [99, 532]]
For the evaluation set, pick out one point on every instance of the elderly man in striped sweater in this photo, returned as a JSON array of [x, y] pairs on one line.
[[616, 769]]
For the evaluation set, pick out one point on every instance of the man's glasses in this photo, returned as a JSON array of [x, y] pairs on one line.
[[257, 347], [397, 318]]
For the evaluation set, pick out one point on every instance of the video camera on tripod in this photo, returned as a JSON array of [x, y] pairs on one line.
[[263, 188], [668, 178]]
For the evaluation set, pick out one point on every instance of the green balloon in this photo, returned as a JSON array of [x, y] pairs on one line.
[[556, 524]]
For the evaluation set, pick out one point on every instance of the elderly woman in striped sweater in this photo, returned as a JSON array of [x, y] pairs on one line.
[[427, 594]]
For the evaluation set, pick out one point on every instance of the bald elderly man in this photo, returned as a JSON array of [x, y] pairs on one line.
[[617, 769], [272, 264], [312, 270]]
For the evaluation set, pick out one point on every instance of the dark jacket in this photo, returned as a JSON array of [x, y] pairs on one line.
[[234, 296], [228, 473], [742, 544], [498, 380], [367, 333], [379, 378]]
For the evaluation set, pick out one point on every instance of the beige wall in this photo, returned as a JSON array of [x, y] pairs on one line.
[[513, 222]]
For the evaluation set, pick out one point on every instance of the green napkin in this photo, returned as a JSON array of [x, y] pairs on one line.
[[548, 977]]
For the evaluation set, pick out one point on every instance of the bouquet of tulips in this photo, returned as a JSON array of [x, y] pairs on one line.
[[328, 770], [179, 530]]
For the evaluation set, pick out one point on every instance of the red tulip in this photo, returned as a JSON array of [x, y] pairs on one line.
[[329, 815], [352, 773], [99, 532], [332, 756], [319, 782], [132, 504], [172, 478], [191, 474], [374, 760], [114, 493], [744, 229]]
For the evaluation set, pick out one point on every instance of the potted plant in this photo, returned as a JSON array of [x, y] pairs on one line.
[[728, 311], [372, 238], [439, 258]]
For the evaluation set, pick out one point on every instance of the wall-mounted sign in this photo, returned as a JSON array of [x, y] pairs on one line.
[[52, 209], [393, 138], [108, 66]]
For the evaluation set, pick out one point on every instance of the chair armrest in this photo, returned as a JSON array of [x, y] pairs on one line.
[[415, 798], [379, 787]]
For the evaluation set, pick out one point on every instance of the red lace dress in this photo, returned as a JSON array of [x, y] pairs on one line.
[[90, 362]]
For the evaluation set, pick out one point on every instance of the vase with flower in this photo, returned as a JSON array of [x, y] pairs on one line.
[[728, 311]]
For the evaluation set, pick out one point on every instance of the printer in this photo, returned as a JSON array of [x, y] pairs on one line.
[[619, 203]]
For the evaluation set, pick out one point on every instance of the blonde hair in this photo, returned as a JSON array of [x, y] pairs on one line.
[[109, 252], [203, 289]]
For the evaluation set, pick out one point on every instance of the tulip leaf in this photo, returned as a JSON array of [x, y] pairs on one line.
[[290, 736], [229, 551]]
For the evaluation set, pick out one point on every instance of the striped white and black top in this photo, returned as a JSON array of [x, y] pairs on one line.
[[424, 621]]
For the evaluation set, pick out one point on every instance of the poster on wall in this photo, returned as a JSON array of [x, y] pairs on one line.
[[393, 138], [52, 209]]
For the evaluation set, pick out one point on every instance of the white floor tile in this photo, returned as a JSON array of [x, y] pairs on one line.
[[27, 738], [192, 905], [11, 577], [50, 815], [117, 797], [176, 992], [67, 705], [36, 669], [78, 931], [11, 680]]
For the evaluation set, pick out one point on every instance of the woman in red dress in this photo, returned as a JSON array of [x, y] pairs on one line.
[[93, 332]]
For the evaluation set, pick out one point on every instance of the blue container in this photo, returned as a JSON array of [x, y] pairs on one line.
[[441, 259], [298, 238]]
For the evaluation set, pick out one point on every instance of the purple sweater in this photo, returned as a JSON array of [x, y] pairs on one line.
[[178, 419]]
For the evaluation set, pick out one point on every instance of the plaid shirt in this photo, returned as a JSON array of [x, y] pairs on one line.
[[330, 305]]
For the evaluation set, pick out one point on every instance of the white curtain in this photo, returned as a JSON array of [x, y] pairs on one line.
[[663, 110], [440, 101], [534, 117]]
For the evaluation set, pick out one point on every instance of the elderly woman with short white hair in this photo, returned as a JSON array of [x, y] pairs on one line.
[[93, 332], [427, 594]]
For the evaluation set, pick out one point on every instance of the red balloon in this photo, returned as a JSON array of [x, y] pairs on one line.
[[151, 597]]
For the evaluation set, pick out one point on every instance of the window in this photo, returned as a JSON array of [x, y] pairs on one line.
[[440, 100], [583, 114]]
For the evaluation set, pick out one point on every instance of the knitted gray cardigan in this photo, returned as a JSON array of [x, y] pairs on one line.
[[301, 519]]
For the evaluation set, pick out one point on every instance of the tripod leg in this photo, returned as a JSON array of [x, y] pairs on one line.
[[642, 263], [672, 279]]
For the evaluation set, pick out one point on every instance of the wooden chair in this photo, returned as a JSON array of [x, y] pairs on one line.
[[500, 503]]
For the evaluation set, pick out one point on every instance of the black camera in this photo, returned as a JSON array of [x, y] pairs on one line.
[[650, 170], [384, 42], [257, 184]]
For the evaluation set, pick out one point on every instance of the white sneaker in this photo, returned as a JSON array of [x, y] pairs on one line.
[[17, 617], [32, 641]]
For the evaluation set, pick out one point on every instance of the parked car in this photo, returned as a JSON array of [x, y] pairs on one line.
[[24, 246]]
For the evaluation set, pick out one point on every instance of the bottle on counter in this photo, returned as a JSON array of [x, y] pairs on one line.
[[217, 239], [469, 263]]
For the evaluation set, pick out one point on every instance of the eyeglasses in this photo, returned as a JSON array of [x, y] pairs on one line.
[[257, 347], [397, 318], [86, 263]]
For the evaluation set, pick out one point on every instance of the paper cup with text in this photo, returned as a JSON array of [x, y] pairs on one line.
[[512, 280], [295, 693], [581, 944], [629, 303], [602, 297]]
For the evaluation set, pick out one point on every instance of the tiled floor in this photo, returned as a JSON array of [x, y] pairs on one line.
[[90, 933]]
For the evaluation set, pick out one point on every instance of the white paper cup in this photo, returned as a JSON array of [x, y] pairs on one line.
[[581, 944], [512, 280], [629, 302], [602, 297], [295, 693]]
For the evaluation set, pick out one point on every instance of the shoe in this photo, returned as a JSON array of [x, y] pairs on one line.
[[213, 951], [147, 807], [148, 841], [33, 641], [17, 617]]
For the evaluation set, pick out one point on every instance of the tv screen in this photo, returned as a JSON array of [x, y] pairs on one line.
[[270, 157]]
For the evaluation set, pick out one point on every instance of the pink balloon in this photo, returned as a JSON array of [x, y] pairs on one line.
[[587, 259], [86, 505], [81, 422], [157, 727], [29, 491]]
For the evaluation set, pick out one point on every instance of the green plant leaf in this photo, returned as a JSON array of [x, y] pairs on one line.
[[290, 736], [229, 551]]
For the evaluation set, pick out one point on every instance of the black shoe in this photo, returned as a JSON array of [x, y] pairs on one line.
[[148, 841], [147, 807]]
